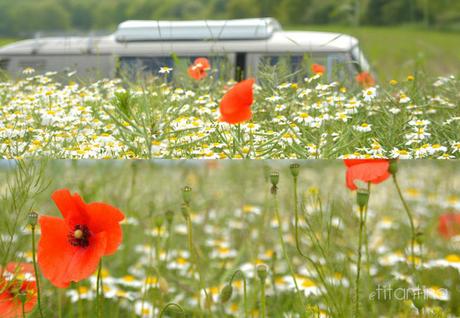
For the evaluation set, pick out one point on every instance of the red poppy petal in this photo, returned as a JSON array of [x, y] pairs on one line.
[[237, 99], [86, 260], [239, 117], [106, 218], [54, 250], [354, 162], [72, 207], [204, 62], [6, 305], [374, 172]]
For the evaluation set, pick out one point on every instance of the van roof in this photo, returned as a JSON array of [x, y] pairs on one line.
[[279, 41]]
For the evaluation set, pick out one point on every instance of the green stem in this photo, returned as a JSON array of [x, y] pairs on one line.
[[23, 309], [245, 296], [297, 244], [98, 291], [194, 259], [37, 280], [411, 220], [283, 247], [358, 273], [262, 298], [171, 305], [59, 304]]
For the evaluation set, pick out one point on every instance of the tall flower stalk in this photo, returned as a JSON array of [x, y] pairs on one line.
[[186, 192], [295, 170], [227, 291], [99, 288], [274, 179], [33, 218], [362, 198], [394, 170]]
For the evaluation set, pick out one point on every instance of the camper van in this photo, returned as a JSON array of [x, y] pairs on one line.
[[144, 47]]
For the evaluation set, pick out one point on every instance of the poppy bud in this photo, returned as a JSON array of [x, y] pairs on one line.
[[22, 297], [274, 177], [226, 293], [184, 210], [419, 237], [33, 217], [419, 299], [295, 169], [393, 168], [163, 285], [262, 271], [187, 194], [158, 220], [169, 215], [362, 197]]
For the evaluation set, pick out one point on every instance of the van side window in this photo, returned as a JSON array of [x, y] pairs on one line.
[[132, 67], [337, 64], [36, 64]]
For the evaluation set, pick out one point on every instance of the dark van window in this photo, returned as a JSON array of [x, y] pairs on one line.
[[337, 64], [4, 64], [132, 67]]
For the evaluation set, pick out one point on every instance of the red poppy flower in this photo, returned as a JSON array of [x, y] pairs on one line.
[[70, 249], [198, 69], [366, 170], [318, 69], [235, 106], [17, 279], [449, 225], [365, 79]]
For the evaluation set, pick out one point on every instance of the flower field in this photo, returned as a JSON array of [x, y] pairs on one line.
[[222, 239], [312, 118]]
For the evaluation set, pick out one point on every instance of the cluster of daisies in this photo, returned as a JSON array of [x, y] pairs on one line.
[[235, 247], [209, 119]]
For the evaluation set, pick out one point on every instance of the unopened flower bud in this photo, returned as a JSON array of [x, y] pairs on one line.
[[163, 285], [262, 271], [158, 221], [226, 293], [184, 210], [169, 215], [295, 169], [187, 194], [362, 197], [393, 168], [33, 217], [274, 178], [22, 297]]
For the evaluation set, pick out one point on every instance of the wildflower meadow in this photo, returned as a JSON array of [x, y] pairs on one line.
[[200, 115], [352, 238]]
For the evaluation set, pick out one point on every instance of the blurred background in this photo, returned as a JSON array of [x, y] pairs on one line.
[[399, 37]]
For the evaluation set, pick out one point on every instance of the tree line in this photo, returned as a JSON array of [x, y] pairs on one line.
[[26, 17]]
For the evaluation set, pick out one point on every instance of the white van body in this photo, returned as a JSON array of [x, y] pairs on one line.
[[136, 44]]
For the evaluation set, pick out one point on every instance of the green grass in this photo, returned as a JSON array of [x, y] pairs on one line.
[[395, 52], [4, 41]]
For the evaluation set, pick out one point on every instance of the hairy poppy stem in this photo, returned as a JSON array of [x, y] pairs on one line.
[[283, 245], [245, 296], [98, 290], [37, 280], [358, 271], [411, 220], [171, 305]]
